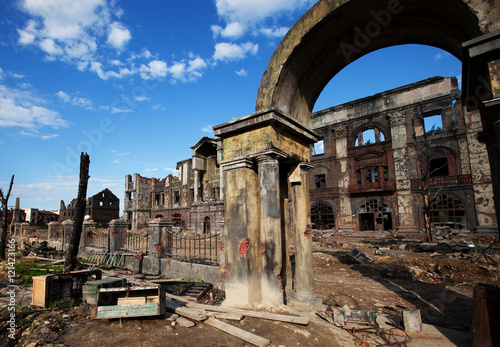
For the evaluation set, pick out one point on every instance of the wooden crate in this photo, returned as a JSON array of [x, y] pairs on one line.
[[61, 288], [130, 302]]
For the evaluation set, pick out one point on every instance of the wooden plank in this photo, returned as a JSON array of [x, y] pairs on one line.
[[131, 301], [247, 313], [177, 297], [185, 322], [240, 333], [117, 311], [184, 311], [225, 315]]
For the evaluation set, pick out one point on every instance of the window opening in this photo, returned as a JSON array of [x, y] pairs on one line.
[[433, 123], [319, 147], [322, 216], [320, 181], [439, 167]]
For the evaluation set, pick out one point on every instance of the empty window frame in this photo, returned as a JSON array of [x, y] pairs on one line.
[[319, 147], [322, 216], [320, 181], [371, 175], [433, 123], [368, 137]]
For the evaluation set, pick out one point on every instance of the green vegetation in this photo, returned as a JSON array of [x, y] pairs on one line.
[[26, 270]]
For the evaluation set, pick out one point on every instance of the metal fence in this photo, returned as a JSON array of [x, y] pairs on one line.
[[193, 248], [136, 244], [99, 241]]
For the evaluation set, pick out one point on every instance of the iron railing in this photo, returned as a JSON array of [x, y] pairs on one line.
[[136, 244], [193, 248], [446, 181], [99, 241]]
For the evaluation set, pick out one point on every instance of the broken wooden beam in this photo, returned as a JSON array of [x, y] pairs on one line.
[[240, 333], [184, 311], [185, 322], [225, 315], [247, 313]]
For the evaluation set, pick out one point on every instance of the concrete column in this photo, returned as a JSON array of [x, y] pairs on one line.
[[159, 240], [242, 244], [344, 219], [304, 270], [116, 235], [401, 170], [68, 227], [54, 231], [270, 226], [87, 231], [196, 184]]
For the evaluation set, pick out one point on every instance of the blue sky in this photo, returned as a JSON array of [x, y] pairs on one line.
[[135, 84]]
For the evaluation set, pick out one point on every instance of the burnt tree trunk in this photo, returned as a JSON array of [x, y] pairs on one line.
[[81, 202], [5, 223]]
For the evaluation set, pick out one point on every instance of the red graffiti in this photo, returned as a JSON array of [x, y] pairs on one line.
[[243, 248], [159, 247], [139, 257], [169, 262], [263, 248], [224, 274], [222, 246], [114, 233], [308, 231], [280, 280]]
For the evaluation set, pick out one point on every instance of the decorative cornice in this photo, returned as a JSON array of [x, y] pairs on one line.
[[340, 131], [397, 119]]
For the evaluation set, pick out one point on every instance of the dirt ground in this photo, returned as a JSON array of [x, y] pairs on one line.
[[441, 287]]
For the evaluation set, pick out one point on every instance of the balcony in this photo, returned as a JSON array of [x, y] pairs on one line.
[[372, 188], [446, 181], [323, 192]]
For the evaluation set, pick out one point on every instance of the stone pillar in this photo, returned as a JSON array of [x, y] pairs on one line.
[[68, 227], [344, 220], [270, 226], [242, 244], [116, 235], [304, 270], [54, 231], [87, 231], [196, 184], [159, 240], [16, 215], [401, 171]]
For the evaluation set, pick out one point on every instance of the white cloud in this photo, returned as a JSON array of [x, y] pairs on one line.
[[172, 170], [2, 74], [119, 110], [274, 32], [142, 98], [233, 30], [208, 129], [231, 51], [438, 56], [242, 73], [150, 170], [50, 47], [245, 11], [188, 70], [216, 30], [154, 69], [75, 100], [118, 35], [16, 75], [22, 109], [158, 107]]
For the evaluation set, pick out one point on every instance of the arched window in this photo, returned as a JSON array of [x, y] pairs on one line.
[[322, 216], [447, 209], [159, 216], [206, 225], [368, 137], [375, 215]]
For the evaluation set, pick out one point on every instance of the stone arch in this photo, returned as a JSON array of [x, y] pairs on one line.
[[333, 33]]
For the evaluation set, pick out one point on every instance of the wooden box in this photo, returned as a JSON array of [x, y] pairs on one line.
[[130, 302]]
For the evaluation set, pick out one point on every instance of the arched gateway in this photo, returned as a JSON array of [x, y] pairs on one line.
[[267, 154]]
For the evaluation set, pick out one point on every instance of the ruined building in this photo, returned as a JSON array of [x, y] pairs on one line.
[[191, 200], [101, 207], [373, 157], [380, 150]]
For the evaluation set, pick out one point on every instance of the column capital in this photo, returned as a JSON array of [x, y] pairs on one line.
[[397, 118], [268, 156], [340, 131]]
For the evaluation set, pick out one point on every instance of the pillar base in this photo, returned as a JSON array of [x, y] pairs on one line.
[[346, 229], [408, 229], [489, 230], [304, 305]]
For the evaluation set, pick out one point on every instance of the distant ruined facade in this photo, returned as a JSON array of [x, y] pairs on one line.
[[192, 200], [375, 153], [102, 208]]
